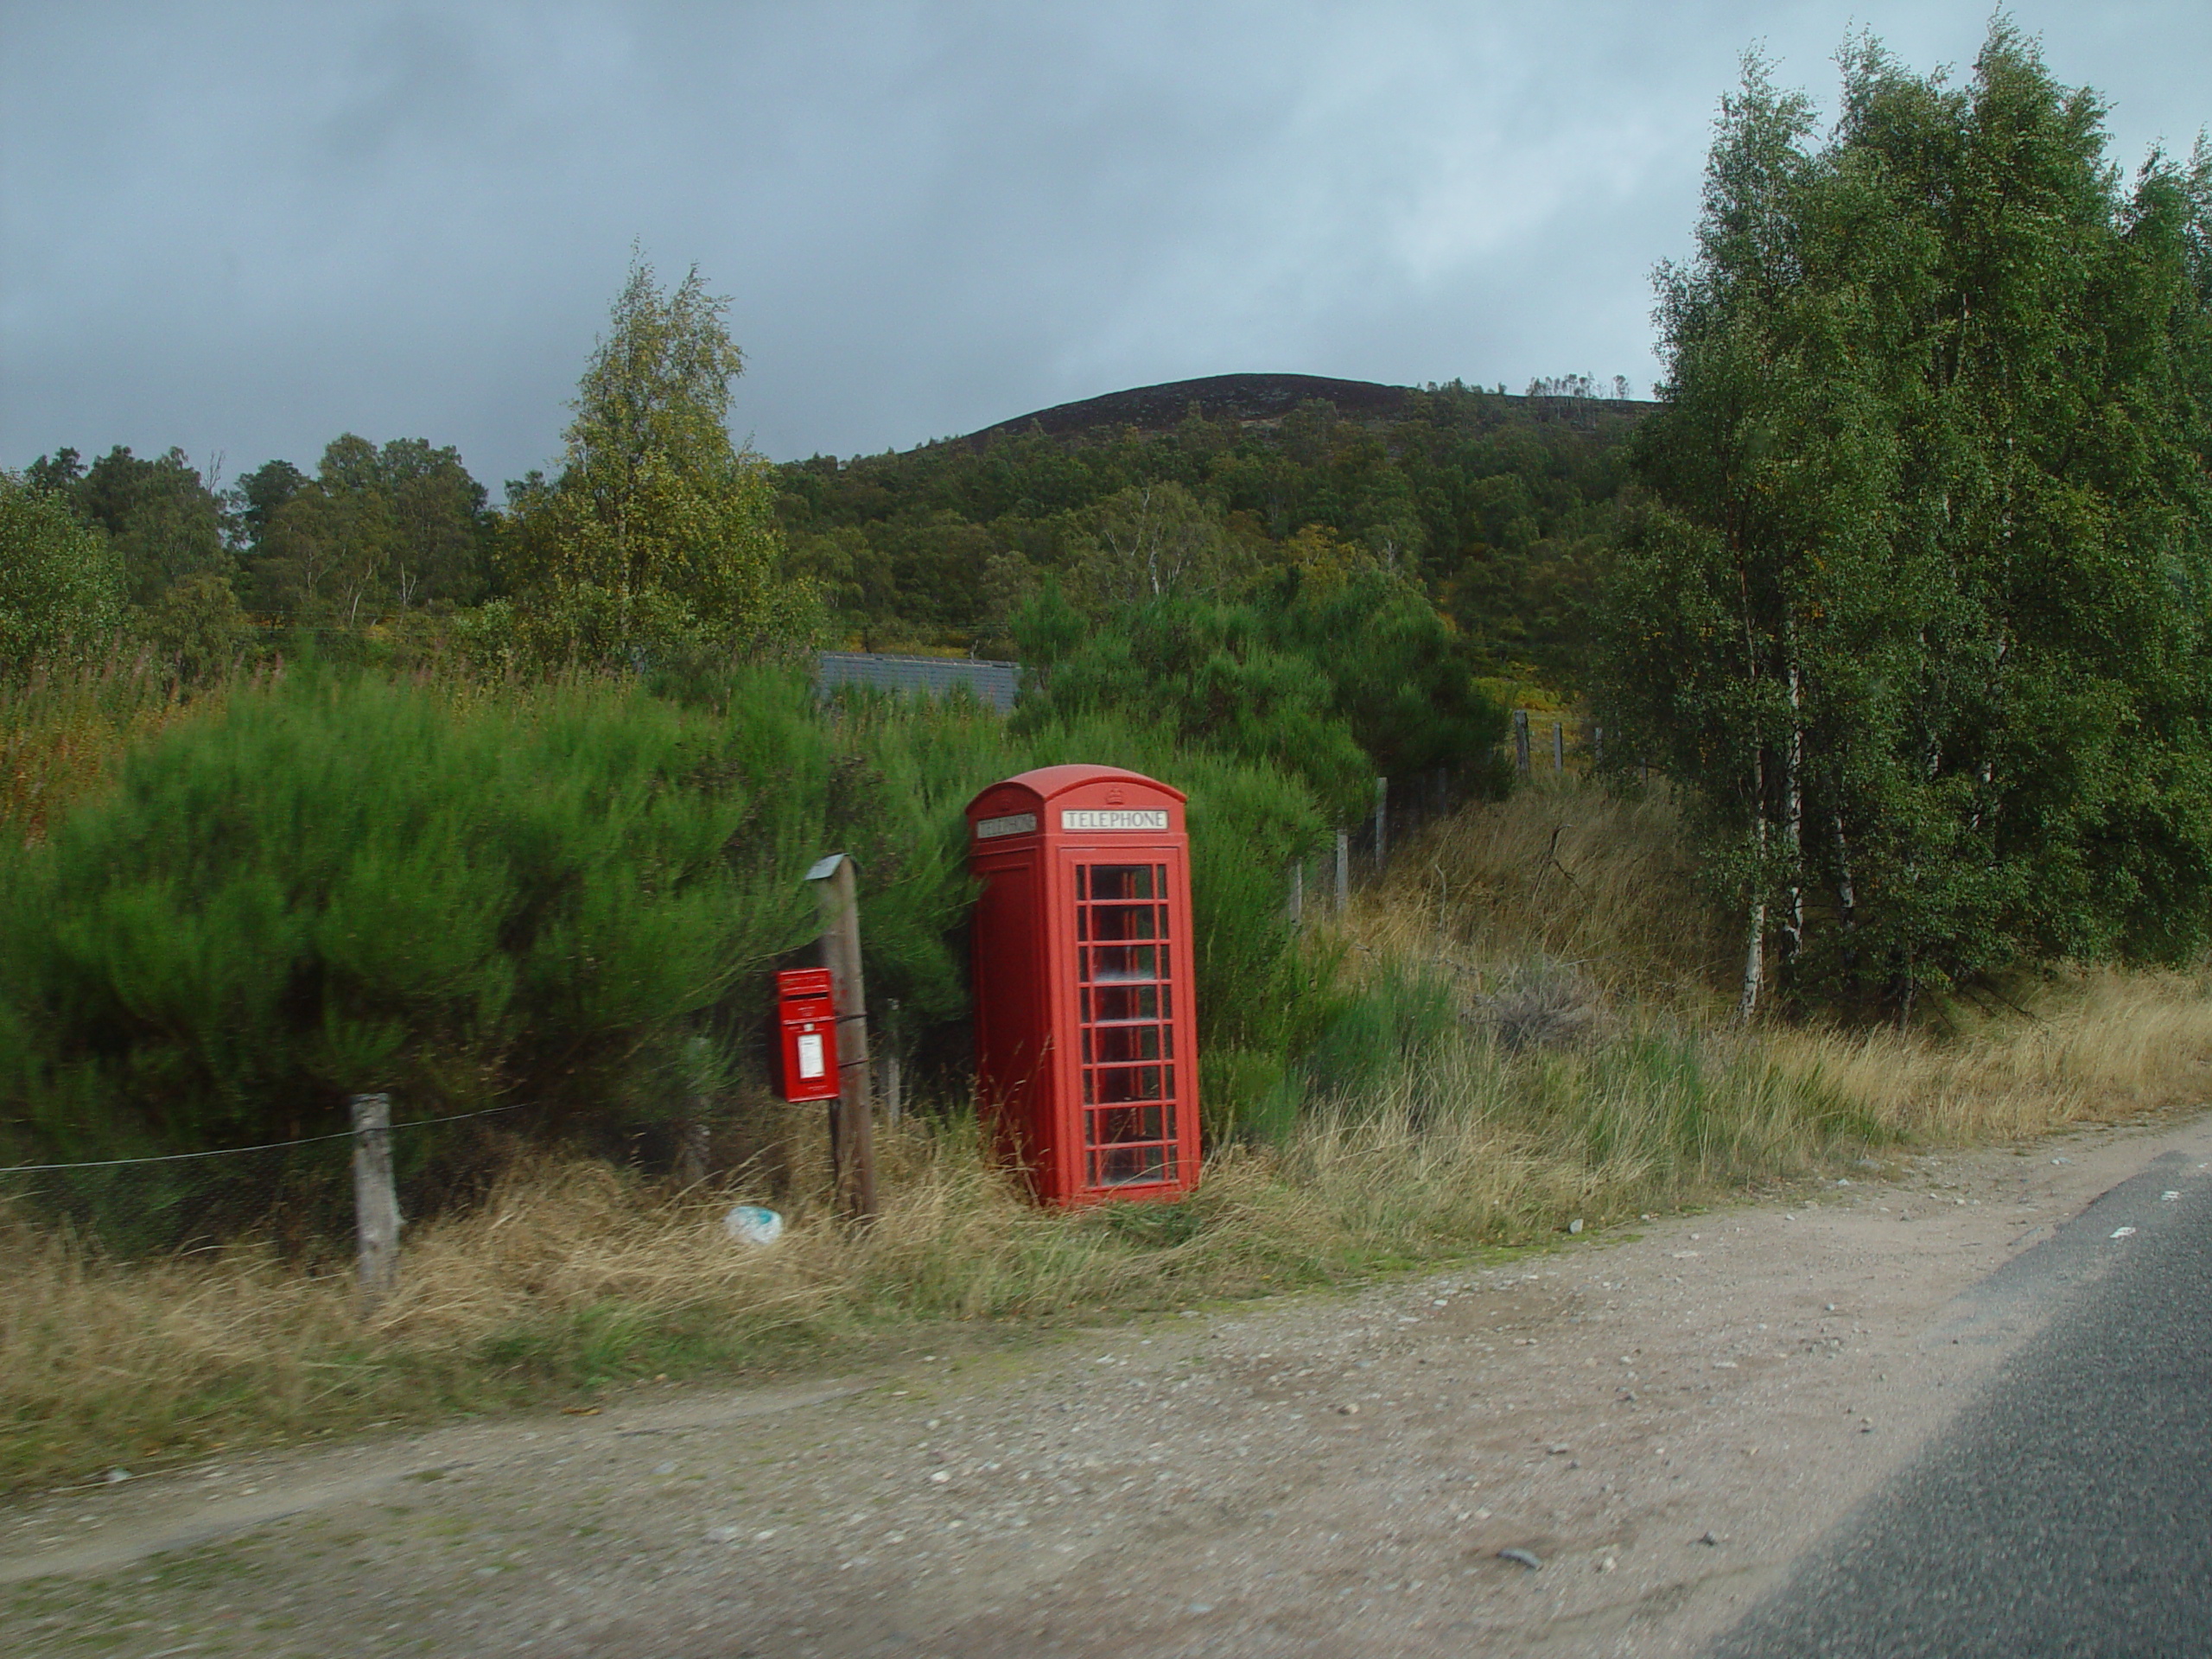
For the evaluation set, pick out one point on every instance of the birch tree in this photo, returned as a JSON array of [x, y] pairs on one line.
[[659, 532], [1914, 606]]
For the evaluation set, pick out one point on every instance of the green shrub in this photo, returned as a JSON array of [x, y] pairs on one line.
[[1332, 682], [1209, 673], [1401, 1016], [346, 886]]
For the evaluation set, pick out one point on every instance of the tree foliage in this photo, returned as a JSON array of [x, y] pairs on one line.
[[659, 532], [1918, 603], [1335, 682], [1495, 507], [164, 522], [378, 532], [341, 886], [60, 583]]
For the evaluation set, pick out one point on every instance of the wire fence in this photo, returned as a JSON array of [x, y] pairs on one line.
[[297, 1196], [1321, 882]]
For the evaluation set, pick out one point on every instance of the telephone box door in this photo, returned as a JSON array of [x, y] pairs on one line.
[[1129, 954]]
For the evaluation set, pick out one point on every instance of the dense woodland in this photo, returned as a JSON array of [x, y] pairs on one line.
[[1499, 508]]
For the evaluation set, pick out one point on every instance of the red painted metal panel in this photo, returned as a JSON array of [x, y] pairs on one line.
[[1085, 1027]]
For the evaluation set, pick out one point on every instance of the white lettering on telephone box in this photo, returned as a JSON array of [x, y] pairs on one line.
[[1120, 818]]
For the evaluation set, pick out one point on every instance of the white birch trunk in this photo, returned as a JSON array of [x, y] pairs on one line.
[[1755, 928], [1793, 817]]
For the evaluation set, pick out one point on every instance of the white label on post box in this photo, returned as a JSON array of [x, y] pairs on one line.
[[1125, 818], [1021, 824], [809, 1054]]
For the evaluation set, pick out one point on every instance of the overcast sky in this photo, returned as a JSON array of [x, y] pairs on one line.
[[244, 228]]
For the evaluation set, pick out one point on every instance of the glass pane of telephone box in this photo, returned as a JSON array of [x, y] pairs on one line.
[[1117, 881]]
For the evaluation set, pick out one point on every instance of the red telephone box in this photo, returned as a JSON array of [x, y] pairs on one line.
[[1084, 1030], [806, 1034]]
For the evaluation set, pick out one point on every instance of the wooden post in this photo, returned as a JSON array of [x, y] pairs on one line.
[[1597, 748], [693, 1143], [1558, 746], [894, 1100], [1381, 822], [376, 1205], [1343, 870], [852, 1117], [1297, 906], [1521, 742]]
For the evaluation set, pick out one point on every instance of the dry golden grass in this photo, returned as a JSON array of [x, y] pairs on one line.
[[61, 734], [572, 1275], [1564, 871], [2097, 1046]]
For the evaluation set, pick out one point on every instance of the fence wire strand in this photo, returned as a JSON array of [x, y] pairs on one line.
[[296, 1195]]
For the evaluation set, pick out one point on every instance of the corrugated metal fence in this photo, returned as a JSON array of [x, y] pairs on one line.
[[992, 685]]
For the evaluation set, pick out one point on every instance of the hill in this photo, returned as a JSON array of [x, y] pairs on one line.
[[1497, 505], [1238, 397]]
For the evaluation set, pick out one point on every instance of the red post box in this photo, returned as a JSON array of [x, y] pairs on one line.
[[1084, 1024], [806, 1034]]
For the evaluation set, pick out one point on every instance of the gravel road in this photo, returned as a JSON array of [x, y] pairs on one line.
[[1664, 1418]]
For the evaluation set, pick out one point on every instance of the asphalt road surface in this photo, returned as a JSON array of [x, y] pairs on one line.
[[2068, 1509]]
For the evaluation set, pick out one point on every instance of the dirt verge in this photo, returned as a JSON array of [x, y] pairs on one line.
[[1662, 1419]]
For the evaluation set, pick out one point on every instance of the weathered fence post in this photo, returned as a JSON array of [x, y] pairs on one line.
[[1521, 742], [895, 1099], [1296, 907], [1558, 746], [694, 1142], [1343, 870], [852, 1117], [376, 1205], [1597, 748]]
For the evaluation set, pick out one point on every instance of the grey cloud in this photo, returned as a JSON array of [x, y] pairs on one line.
[[250, 227]]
